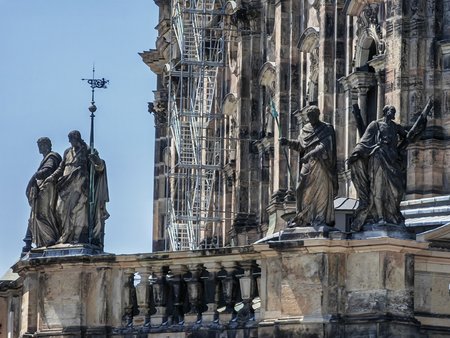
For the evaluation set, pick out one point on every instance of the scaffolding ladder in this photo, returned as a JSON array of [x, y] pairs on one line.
[[194, 120]]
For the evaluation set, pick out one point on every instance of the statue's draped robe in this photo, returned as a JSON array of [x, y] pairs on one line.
[[101, 196], [73, 189], [317, 181], [42, 222], [73, 193], [379, 173]]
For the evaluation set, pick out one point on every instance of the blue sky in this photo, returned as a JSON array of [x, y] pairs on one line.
[[46, 47]]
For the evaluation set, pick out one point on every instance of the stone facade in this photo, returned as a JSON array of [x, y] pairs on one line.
[[331, 53], [290, 54], [377, 287]]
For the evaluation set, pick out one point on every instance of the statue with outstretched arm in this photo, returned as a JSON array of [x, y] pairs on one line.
[[377, 168]]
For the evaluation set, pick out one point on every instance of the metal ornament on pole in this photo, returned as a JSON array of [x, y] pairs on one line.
[[94, 83]]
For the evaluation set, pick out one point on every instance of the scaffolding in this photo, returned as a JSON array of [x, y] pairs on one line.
[[195, 128]]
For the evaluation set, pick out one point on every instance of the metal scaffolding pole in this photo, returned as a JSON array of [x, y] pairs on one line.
[[197, 58]]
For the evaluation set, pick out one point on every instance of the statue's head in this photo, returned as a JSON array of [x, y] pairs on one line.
[[44, 141], [44, 145], [389, 112], [75, 138], [313, 114]]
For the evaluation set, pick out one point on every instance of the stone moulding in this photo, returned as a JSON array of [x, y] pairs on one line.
[[355, 7], [309, 39], [268, 75]]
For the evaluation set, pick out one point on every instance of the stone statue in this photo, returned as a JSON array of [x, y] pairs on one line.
[[72, 208], [268, 121], [378, 169], [42, 226], [317, 178]]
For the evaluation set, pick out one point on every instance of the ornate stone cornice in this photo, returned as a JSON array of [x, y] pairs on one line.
[[358, 80]]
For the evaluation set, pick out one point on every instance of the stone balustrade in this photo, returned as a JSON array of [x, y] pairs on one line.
[[179, 294], [316, 287], [145, 293]]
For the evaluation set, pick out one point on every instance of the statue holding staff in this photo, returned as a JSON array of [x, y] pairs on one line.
[[317, 178], [72, 182], [377, 168]]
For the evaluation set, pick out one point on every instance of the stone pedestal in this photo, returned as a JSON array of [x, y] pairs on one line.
[[157, 319], [341, 288], [61, 250], [383, 230], [225, 318], [301, 233], [190, 319]]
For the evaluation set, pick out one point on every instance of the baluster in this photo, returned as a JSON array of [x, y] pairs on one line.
[[226, 277], [142, 295], [246, 284], [194, 294], [174, 279], [210, 289], [128, 299], [159, 295]]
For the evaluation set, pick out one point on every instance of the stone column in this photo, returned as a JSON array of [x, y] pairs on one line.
[[326, 56], [339, 106], [378, 63], [362, 102], [281, 93], [361, 82], [350, 135], [380, 93], [396, 60], [264, 186], [244, 119]]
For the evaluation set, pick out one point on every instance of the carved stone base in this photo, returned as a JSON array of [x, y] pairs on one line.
[[300, 233], [190, 319], [64, 250], [383, 230], [225, 318]]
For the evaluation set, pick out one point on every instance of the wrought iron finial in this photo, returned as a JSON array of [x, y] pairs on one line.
[[94, 83]]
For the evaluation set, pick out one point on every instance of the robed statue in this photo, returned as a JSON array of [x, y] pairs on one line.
[[378, 168], [80, 219], [42, 228], [317, 178]]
